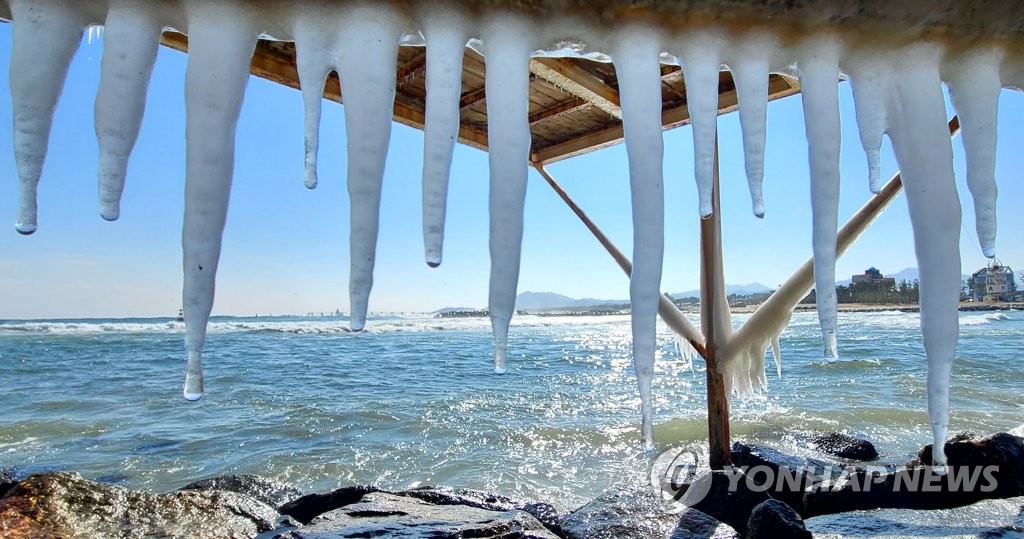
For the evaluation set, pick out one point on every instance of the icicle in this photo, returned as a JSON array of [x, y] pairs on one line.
[[446, 36], [367, 56], [701, 67], [129, 51], [920, 139], [45, 36], [750, 73], [636, 56], [221, 44], [819, 77], [313, 56], [507, 40], [868, 84], [777, 355], [974, 87]]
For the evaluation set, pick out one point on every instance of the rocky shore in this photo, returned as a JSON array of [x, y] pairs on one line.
[[737, 502]]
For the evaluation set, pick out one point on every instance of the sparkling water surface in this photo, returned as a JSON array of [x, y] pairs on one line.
[[414, 400]]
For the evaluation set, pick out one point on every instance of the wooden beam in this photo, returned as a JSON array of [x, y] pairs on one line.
[[269, 64], [570, 77], [558, 110], [412, 69], [678, 116]]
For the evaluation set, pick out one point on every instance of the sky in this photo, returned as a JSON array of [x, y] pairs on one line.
[[285, 248]]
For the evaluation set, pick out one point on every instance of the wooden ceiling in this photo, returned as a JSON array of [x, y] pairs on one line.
[[574, 103]]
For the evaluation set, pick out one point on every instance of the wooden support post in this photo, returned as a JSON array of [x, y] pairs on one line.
[[714, 315]]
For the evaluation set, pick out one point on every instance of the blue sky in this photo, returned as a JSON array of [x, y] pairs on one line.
[[286, 247]]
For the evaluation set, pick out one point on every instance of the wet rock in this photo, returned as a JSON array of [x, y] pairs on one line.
[[545, 513], [630, 514], [773, 519], [979, 469], [844, 446], [271, 492], [729, 496], [7, 481], [66, 505], [381, 514], [803, 473], [305, 508], [694, 524]]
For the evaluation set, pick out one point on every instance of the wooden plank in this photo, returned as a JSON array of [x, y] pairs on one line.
[[273, 66], [561, 109], [778, 87], [577, 81], [412, 69]]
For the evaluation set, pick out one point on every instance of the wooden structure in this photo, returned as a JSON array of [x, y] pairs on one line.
[[574, 103]]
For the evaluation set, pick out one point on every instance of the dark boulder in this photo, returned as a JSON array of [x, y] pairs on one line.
[[382, 514], [979, 469], [271, 492], [630, 514], [773, 519], [728, 496], [7, 481], [305, 508], [844, 446], [693, 524], [793, 476], [545, 513], [66, 505]]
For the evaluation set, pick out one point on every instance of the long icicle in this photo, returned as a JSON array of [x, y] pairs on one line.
[[868, 84], [131, 38], [926, 161], [750, 72], [446, 36], [636, 58], [45, 35], [701, 67], [974, 88], [367, 58], [313, 42], [819, 73], [508, 49], [221, 43]]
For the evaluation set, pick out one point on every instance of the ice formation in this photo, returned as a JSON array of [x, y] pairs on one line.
[[896, 80]]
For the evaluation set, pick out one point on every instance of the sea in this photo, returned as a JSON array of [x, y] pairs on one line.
[[414, 401]]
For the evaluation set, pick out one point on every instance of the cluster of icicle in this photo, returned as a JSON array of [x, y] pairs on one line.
[[897, 91]]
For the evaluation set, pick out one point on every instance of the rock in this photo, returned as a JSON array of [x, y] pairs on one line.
[[631, 514], [545, 513], [979, 469], [305, 508], [271, 492], [66, 505], [844, 446], [7, 481], [804, 473], [1001, 449], [726, 496], [694, 524], [773, 519], [382, 514]]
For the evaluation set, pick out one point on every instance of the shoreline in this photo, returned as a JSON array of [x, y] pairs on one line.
[[747, 309]]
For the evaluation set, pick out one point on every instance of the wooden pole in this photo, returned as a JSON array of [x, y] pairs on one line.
[[714, 315], [673, 317]]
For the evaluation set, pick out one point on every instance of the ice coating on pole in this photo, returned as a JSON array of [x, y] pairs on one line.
[[446, 35], [750, 69], [819, 74], [130, 41], [868, 84], [508, 46], [974, 87], [635, 55], [221, 43], [45, 35], [921, 143], [366, 56], [701, 66]]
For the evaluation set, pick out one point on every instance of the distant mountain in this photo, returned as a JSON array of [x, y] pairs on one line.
[[738, 289], [536, 301]]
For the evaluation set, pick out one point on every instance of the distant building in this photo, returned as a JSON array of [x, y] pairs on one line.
[[873, 276], [993, 283]]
